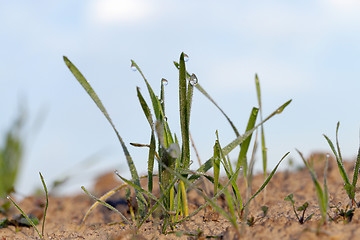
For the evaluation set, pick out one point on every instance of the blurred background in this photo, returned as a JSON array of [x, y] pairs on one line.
[[307, 51]]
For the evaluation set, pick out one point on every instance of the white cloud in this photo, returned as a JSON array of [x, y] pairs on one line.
[[344, 4], [110, 12]]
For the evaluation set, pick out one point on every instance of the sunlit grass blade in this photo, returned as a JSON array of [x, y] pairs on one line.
[[46, 204], [266, 181], [242, 160], [321, 194], [106, 205], [228, 148], [86, 85], [25, 216]]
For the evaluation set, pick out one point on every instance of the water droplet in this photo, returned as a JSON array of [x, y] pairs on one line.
[[164, 82], [174, 150], [327, 156], [186, 57], [193, 79], [161, 101], [133, 67], [116, 172]]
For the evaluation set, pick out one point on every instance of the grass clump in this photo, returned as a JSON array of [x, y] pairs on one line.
[[349, 187], [173, 156]]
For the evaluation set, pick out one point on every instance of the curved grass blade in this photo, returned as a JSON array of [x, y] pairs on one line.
[[155, 101], [86, 85], [347, 185], [356, 169], [46, 205], [321, 194], [106, 205], [198, 87], [266, 181], [25, 216], [102, 198], [228, 148]]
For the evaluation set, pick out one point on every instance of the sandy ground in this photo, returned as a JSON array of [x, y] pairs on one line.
[[65, 213]]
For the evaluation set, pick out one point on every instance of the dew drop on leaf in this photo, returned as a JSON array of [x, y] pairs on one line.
[[193, 79], [164, 82], [186, 57], [133, 67]]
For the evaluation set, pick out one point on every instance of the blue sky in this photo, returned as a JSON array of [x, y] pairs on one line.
[[307, 51]]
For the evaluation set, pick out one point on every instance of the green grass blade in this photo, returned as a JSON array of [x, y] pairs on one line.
[[228, 148], [242, 161], [326, 193], [356, 169], [263, 145], [183, 107], [230, 174], [155, 101], [266, 181], [106, 205], [201, 89], [86, 85], [339, 162], [198, 86], [25, 216], [151, 160], [337, 140], [145, 108], [216, 163], [319, 191], [152, 196], [47, 203]]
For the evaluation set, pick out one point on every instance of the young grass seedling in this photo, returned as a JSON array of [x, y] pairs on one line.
[[34, 221], [175, 177], [349, 187], [345, 214], [322, 193], [302, 209], [252, 220]]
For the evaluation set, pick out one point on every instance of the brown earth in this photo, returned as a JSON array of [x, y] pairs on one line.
[[65, 213]]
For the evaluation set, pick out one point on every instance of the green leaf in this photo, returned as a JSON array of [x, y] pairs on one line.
[[242, 161], [86, 85], [290, 198], [228, 148], [266, 181]]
